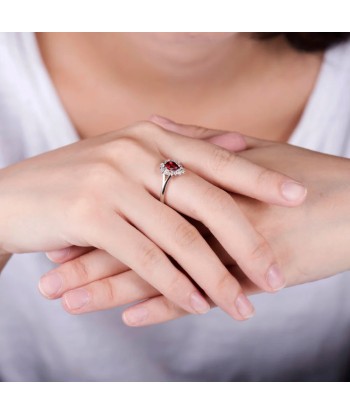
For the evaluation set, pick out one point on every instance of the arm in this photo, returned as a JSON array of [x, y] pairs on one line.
[[311, 241], [89, 192]]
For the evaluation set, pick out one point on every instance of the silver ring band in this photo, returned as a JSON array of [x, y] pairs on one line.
[[169, 168]]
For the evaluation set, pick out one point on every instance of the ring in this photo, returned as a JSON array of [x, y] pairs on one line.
[[169, 168]]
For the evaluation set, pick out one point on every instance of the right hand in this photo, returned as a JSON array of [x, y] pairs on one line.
[[102, 192]]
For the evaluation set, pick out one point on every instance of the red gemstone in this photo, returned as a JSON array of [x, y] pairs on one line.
[[171, 165]]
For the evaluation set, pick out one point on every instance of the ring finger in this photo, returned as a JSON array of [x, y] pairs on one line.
[[183, 242], [195, 197]]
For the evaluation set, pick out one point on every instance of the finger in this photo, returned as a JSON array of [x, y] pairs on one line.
[[193, 131], [115, 291], [248, 286], [232, 141], [253, 142], [160, 310], [80, 271], [230, 171], [216, 209], [142, 255], [233, 173], [125, 288], [154, 311], [183, 242], [66, 254]]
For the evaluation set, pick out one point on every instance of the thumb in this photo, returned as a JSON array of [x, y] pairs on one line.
[[229, 140]]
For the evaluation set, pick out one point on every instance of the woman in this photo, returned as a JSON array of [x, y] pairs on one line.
[[222, 80]]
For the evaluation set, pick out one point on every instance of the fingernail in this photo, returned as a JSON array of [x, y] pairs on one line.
[[160, 119], [199, 304], [293, 191], [77, 299], [275, 278], [230, 141], [50, 284], [58, 255], [135, 316], [244, 306]]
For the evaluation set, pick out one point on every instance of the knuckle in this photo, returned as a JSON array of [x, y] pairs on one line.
[[129, 143], [93, 179], [265, 178], [169, 307], [186, 234], [83, 204], [80, 207], [176, 283], [162, 214], [226, 289], [221, 159], [259, 258], [78, 269], [144, 127], [110, 297], [113, 155], [98, 173], [165, 304], [260, 251], [150, 255], [224, 283], [83, 208], [133, 143], [217, 199]]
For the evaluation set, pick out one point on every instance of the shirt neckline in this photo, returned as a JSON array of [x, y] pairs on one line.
[[297, 136], [324, 97], [50, 96]]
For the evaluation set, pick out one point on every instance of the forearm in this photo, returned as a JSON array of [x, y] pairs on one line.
[[328, 243]]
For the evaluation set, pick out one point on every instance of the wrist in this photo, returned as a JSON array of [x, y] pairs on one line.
[[336, 209], [325, 245]]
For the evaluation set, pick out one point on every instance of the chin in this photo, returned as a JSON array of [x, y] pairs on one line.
[[189, 36]]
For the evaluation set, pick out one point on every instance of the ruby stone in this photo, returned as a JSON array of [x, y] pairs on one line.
[[171, 165]]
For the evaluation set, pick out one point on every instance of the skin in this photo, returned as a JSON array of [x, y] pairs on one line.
[[196, 77], [311, 241], [3, 260], [85, 211]]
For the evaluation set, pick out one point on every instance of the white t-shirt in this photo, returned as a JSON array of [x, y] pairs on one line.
[[303, 333]]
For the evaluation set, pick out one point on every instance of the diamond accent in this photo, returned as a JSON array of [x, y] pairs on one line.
[[172, 168]]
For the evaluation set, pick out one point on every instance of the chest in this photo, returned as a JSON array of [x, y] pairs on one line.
[[266, 106]]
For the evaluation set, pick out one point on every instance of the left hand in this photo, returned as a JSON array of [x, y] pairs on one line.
[[310, 240]]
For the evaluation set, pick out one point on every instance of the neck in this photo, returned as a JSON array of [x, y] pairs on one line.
[[169, 59], [225, 81], [169, 62]]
